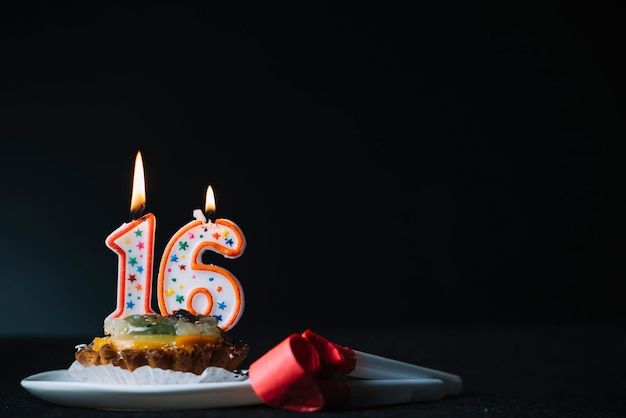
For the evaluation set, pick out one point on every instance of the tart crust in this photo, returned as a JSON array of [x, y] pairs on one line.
[[223, 353]]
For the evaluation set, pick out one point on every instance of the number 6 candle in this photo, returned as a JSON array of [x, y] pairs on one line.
[[185, 282], [134, 244]]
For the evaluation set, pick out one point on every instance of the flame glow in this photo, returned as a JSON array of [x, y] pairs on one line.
[[138, 198], [209, 204]]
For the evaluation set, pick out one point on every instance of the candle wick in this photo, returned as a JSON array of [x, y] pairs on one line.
[[199, 215], [134, 214], [210, 214]]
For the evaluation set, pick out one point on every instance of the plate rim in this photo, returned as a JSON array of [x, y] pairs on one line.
[[47, 378], [57, 387]]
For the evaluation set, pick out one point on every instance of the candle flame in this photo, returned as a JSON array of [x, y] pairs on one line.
[[138, 198], [209, 204]]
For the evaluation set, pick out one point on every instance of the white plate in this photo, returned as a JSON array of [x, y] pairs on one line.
[[58, 387]]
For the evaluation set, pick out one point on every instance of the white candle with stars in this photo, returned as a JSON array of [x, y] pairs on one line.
[[185, 282], [134, 244]]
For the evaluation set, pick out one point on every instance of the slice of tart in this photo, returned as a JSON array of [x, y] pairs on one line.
[[181, 342]]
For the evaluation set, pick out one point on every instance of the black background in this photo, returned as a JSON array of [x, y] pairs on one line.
[[389, 163]]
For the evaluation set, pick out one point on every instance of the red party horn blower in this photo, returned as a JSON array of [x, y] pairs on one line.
[[287, 377], [298, 374], [362, 365]]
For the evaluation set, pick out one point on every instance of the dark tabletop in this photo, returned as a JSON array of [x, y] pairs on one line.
[[508, 371]]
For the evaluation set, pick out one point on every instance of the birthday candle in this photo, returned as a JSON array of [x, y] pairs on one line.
[[185, 282], [134, 244]]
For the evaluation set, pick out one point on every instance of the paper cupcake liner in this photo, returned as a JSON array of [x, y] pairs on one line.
[[146, 375]]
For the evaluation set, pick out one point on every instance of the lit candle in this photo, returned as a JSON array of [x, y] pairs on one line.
[[134, 244], [185, 282]]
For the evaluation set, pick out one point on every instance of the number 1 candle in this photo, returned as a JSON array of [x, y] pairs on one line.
[[185, 282], [134, 244]]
